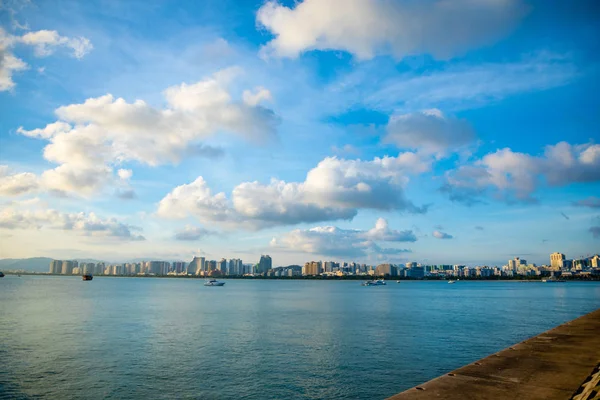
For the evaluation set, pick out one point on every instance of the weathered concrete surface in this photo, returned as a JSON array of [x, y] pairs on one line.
[[552, 365]]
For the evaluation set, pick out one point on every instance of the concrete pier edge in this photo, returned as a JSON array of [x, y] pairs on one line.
[[561, 363]]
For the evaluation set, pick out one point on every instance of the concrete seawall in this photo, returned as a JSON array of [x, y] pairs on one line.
[[560, 364]]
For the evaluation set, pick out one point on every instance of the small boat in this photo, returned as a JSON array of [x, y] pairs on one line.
[[451, 281], [378, 282], [87, 277], [552, 279], [213, 282], [397, 281], [1, 274]]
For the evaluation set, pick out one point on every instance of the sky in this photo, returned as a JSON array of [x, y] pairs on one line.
[[441, 132]]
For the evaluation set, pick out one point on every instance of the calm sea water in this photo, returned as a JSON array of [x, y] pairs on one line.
[[132, 338]]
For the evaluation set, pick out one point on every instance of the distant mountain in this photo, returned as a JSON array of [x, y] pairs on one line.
[[35, 264]]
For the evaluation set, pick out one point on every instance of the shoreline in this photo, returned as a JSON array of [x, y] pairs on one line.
[[390, 279]]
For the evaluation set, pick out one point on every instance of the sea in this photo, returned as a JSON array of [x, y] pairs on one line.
[[165, 338]]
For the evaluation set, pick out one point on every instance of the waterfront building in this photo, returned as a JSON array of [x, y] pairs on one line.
[[211, 266], [88, 268], [557, 261], [196, 266], [222, 266], [387, 269], [265, 264], [67, 267], [55, 267], [235, 267], [595, 261], [99, 269], [312, 268], [414, 272], [515, 263], [155, 267], [178, 266]]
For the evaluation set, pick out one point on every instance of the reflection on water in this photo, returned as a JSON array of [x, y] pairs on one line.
[[174, 338]]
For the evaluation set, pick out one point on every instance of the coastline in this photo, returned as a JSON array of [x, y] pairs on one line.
[[586, 278]]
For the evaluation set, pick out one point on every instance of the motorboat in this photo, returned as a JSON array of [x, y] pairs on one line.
[[213, 282], [378, 282], [552, 279], [87, 277], [451, 281], [397, 281], [1, 274]]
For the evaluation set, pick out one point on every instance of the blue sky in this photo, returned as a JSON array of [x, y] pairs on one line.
[[438, 132]]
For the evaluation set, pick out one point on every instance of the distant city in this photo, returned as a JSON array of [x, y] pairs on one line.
[[201, 267]]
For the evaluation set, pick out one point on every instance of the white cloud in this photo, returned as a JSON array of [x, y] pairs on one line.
[[196, 198], [192, 233], [8, 65], [333, 241], [367, 28], [90, 138], [382, 232], [16, 184], [259, 95], [429, 131], [125, 174], [44, 43], [335, 189], [87, 224], [509, 175], [441, 235]]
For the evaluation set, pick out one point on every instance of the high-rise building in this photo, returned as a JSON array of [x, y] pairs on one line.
[[178, 266], [557, 260], [312, 268], [88, 268], [156, 267], [99, 269], [196, 266], [55, 267], [265, 264], [595, 262], [222, 266], [389, 269], [235, 267], [67, 267], [211, 266]]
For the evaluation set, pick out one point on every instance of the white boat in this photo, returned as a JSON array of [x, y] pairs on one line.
[[552, 279], [378, 282], [451, 281], [397, 281], [213, 282]]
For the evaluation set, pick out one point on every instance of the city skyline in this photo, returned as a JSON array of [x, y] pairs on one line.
[[586, 268], [221, 132]]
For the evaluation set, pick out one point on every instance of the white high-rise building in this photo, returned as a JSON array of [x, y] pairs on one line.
[[557, 260]]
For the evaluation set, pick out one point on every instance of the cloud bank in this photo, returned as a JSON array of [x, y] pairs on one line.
[[512, 176], [44, 43], [335, 189], [366, 28], [92, 137], [336, 242]]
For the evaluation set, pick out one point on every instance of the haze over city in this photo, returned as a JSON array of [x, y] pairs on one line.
[[168, 130]]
